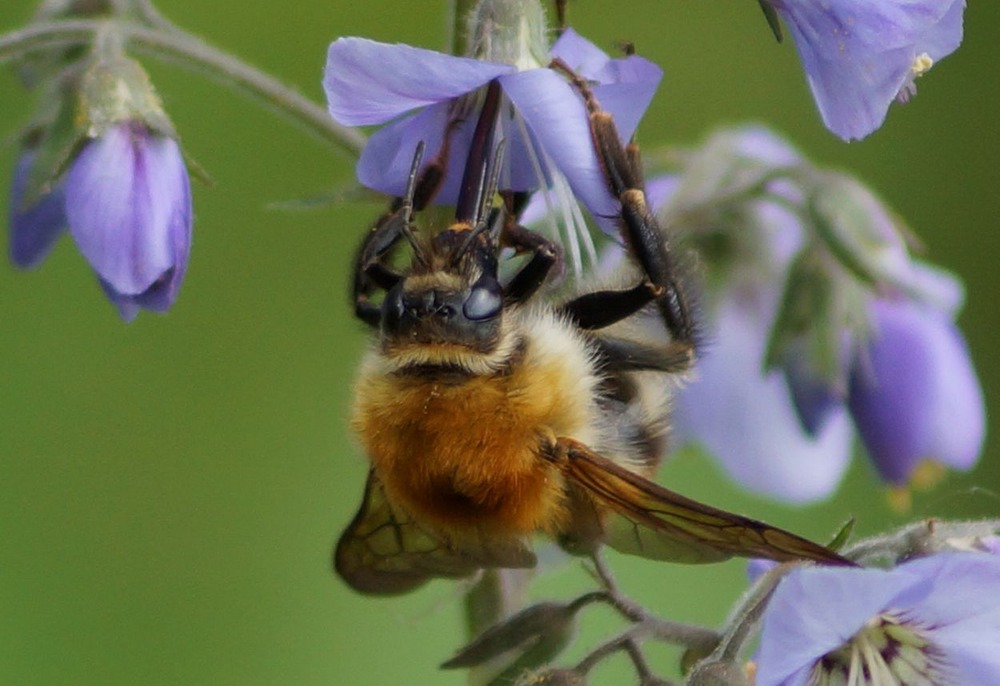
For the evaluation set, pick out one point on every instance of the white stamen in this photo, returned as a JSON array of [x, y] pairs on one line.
[[888, 651], [564, 218]]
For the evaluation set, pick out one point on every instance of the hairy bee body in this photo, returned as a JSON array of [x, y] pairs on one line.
[[491, 412], [459, 439]]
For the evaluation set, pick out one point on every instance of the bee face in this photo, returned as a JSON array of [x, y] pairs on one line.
[[443, 308]]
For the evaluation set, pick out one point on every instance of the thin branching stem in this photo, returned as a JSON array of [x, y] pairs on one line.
[[676, 633], [177, 45]]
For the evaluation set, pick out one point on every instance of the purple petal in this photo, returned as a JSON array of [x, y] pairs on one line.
[[962, 612], [33, 229], [555, 113], [128, 204], [746, 418], [816, 610], [556, 116], [579, 53], [385, 162], [367, 82], [916, 395], [623, 86], [814, 400], [858, 54]]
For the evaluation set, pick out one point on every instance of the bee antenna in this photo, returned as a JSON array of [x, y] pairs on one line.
[[407, 205], [483, 212]]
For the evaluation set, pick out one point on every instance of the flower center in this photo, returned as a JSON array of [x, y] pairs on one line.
[[887, 651], [922, 63]]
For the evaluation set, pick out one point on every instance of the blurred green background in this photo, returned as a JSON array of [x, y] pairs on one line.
[[170, 489]]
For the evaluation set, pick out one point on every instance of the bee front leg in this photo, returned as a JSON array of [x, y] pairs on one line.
[[545, 254], [371, 273]]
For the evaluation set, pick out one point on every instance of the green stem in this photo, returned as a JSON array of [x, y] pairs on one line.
[[459, 30], [175, 43]]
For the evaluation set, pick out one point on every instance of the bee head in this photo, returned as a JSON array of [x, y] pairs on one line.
[[454, 299]]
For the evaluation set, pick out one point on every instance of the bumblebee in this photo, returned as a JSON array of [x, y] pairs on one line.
[[491, 412]]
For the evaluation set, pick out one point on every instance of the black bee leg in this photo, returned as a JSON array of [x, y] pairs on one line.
[[545, 254], [371, 273], [640, 231]]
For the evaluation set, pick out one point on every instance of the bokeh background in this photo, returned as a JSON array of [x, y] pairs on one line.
[[170, 489]]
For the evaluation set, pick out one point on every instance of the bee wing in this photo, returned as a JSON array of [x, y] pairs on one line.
[[383, 551], [651, 521]]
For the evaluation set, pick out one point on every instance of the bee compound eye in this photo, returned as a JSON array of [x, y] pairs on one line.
[[484, 301]]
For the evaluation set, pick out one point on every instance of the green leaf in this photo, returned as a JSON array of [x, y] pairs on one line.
[[843, 535], [545, 624]]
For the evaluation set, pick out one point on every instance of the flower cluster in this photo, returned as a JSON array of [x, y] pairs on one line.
[[103, 162], [802, 350]]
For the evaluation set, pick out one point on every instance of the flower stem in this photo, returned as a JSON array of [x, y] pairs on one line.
[[164, 42]]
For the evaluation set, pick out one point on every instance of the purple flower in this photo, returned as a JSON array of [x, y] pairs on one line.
[[861, 55], [543, 121], [128, 206], [744, 416], [914, 394], [775, 391], [35, 224], [931, 621]]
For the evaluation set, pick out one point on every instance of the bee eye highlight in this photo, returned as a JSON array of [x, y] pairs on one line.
[[484, 301]]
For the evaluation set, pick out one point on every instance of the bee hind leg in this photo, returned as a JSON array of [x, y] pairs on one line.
[[641, 233]]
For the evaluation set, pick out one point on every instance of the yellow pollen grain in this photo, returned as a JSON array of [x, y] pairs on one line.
[[921, 64]]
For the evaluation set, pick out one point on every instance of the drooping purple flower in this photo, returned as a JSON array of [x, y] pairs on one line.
[[933, 621], [914, 394], [861, 55], [429, 96], [128, 206], [35, 224]]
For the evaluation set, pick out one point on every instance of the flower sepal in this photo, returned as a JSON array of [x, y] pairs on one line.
[[116, 89]]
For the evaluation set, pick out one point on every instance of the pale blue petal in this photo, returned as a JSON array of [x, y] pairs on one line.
[[961, 613], [367, 82], [579, 53], [816, 610]]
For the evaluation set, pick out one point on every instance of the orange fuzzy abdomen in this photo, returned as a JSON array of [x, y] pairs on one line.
[[465, 458]]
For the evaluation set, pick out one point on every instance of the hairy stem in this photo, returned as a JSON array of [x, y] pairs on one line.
[[164, 42]]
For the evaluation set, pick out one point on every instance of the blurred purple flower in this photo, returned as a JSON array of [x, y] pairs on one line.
[[744, 416], [36, 225], [782, 426], [545, 126], [861, 55], [914, 394], [934, 620], [128, 206]]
